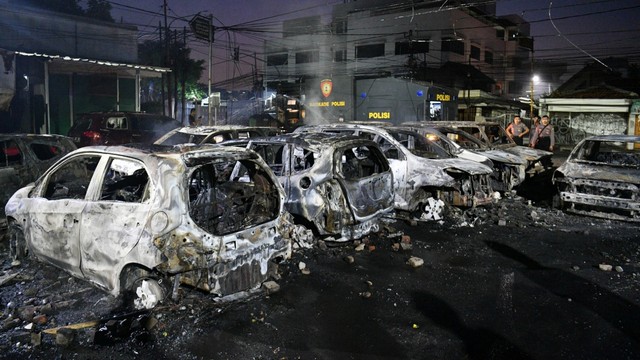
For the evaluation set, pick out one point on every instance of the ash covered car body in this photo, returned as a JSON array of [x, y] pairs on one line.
[[214, 134], [424, 175], [493, 136], [339, 186], [24, 157], [508, 169], [601, 178], [209, 217]]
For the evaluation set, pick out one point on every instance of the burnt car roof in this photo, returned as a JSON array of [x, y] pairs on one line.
[[616, 137], [316, 141], [210, 129]]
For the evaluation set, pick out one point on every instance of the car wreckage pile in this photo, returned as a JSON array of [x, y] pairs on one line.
[[145, 219]]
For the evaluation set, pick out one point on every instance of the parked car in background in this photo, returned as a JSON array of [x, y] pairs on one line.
[[339, 186], [493, 136], [601, 178], [214, 134], [24, 157], [146, 219], [508, 169], [117, 128], [424, 175]]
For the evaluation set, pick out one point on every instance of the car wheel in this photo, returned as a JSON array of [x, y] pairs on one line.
[[144, 291], [433, 209], [17, 243]]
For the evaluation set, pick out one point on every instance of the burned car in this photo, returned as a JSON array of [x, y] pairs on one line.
[[425, 176], [339, 186], [214, 134], [148, 219], [601, 178], [24, 157], [508, 169], [493, 136]]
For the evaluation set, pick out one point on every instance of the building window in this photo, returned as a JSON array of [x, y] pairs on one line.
[[340, 26], [475, 52], [339, 56], [488, 57], [305, 57], [414, 47], [453, 45], [369, 51], [277, 59], [500, 34]]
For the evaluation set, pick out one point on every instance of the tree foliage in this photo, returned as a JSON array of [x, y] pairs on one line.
[[96, 9]]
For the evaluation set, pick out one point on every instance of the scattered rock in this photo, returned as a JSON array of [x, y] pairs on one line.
[[534, 215], [369, 283], [65, 336], [360, 247], [371, 248], [349, 259], [502, 222], [302, 265], [406, 239], [26, 313], [322, 245], [271, 287], [605, 267], [305, 271], [406, 247], [575, 267], [415, 262], [395, 246], [40, 319], [365, 294], [619, 269], [36, 339]]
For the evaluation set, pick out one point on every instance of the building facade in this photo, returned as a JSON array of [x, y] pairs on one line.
[[57, 66], [455, 46]]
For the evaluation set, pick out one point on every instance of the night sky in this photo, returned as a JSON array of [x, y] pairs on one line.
[[585, 28]]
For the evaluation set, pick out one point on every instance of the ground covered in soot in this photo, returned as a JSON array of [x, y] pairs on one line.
[[514, 281]]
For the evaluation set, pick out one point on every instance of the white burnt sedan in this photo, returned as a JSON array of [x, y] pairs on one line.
[[601, 178], [148, 219]]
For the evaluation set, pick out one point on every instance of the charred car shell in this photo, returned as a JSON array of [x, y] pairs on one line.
[[212, 218], [508, 169], [420, 175], [601, 178], [214, 134], [24, 157], [338, 185], [493, 136]]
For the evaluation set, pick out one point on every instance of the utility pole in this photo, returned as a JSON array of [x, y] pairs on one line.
[[162, 77], [183, 79], [167, 38]]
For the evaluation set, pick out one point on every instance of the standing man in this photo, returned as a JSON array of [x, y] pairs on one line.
[[543, 138], [534, 124], [517, 130]]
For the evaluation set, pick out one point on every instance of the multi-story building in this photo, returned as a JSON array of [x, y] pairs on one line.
[[58, 65], [458, 47]]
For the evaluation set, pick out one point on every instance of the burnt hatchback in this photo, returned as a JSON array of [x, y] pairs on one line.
[[601, 178], [149, 219], [339, 186], [24, 157]]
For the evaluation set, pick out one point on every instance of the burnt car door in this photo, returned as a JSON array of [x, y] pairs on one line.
[[366, 177], [55, 212], [114, 220]]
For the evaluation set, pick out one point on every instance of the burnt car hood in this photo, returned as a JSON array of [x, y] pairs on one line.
[[593, 171], [503, 157], [468, 166], [530, 154]]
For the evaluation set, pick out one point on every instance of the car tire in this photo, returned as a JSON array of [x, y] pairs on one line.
[[18, 249], [143, 289]]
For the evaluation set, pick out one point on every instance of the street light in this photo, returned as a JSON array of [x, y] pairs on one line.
[[534, 79]]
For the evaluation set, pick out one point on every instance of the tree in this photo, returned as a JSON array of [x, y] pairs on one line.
[[188, 71], [99, 9], [96, 9]]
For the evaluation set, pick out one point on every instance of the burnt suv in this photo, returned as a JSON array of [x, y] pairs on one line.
[[117, 128]]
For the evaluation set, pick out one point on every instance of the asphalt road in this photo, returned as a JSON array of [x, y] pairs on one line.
[[531, 289]]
